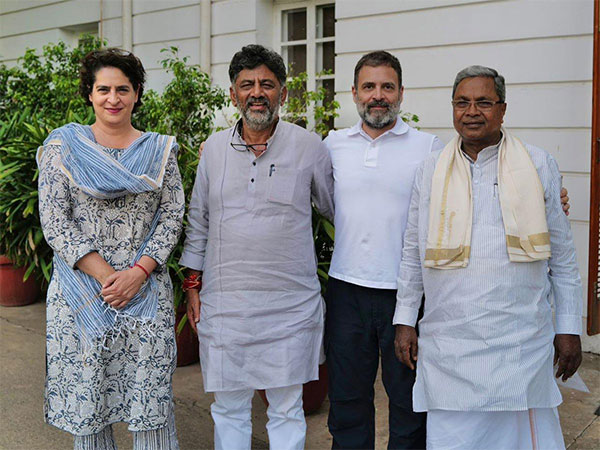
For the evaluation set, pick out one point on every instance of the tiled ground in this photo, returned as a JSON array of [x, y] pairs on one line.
[[22, 335]]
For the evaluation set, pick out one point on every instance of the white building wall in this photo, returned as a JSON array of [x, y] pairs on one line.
[[542, 47], [35, 23], [236, 23], [159, 24], [156, 24]]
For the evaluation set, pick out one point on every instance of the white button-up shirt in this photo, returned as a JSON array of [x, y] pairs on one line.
[[373, 182], [249, 230], [486, 336]]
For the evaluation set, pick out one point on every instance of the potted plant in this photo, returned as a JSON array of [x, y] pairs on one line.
[[36, 95], [15, 289], [22, 246]]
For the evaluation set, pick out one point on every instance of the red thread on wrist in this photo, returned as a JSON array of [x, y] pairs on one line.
[[192, 282], [143, 268]]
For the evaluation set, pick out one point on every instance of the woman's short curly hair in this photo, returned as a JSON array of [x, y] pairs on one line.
[[123, 60]]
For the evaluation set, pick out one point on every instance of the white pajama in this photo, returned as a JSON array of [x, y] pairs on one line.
[[286, 427], [534, 429]]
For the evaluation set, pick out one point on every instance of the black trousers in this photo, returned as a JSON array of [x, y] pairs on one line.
[[358, 329]]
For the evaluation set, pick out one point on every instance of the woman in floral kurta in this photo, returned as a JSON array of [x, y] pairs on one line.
[[130, 379]]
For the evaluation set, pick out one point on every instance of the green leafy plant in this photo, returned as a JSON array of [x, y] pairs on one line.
[[37, 95], [46, 83], [312, 108], [21, 237]]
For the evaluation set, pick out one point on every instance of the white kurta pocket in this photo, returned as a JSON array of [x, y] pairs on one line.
[[282, 185]]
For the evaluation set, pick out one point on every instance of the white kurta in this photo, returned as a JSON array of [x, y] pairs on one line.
[[486, 336], [250, 232]]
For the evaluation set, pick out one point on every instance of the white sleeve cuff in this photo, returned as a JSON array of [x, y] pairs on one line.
[[405, 316], [568, 324], [191, 261]]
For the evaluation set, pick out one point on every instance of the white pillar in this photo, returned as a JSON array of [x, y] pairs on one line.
[[127, 25], [205, 35]]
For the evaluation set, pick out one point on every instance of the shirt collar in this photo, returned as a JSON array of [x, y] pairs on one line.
[[399, 128]]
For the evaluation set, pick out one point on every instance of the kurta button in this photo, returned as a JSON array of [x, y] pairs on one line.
[[253, 163], [252, 180]]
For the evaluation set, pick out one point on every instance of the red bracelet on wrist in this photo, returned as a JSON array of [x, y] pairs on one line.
[[192, 282], [143, 268]]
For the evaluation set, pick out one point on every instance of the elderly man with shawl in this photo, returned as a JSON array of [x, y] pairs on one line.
[[487, 243], [111, 207], [259, 313]]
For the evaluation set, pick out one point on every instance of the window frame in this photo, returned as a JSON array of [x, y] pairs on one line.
[[311, 41]]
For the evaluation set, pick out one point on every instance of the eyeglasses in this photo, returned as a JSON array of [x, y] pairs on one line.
[[481, 105], [257, 148], [246, 147]]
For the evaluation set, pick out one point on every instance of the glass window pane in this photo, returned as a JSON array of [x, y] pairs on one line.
[[326, 56], [329, 86], [295, 106], [294, 25], [295, 57], [325, 21]]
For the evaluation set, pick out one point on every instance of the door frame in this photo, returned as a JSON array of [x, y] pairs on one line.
[[593, 316]]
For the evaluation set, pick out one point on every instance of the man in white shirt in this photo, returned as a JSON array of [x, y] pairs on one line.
[[487, 242], [374, 164]]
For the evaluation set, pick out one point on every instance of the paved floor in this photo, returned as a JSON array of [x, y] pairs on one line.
[[22, 334]]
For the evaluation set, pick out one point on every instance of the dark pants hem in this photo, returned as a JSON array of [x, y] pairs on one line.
[[358, 332]]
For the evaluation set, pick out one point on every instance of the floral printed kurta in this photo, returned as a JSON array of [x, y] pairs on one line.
[[131, 380]]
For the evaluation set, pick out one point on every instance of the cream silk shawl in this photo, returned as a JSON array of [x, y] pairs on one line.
[[451, 206]]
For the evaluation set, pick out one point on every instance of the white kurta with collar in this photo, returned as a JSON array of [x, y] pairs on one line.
[[486, 335], [373, 183], [249, 230]]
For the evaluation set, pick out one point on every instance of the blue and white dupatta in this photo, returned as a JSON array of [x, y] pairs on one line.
[[140, 168]]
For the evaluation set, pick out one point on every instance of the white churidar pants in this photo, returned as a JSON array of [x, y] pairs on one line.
[[535, 429], [286, 427]]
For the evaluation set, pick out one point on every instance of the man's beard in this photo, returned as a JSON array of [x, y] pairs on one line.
[[260, 120], [378, 120]]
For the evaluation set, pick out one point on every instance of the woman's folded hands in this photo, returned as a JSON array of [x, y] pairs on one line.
[[120, 287]]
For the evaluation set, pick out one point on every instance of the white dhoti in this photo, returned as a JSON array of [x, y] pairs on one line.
[[286, 427], [534, 429]]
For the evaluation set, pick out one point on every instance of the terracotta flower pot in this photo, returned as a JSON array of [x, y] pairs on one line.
[[187, 341], [313, 392], [13, 290]]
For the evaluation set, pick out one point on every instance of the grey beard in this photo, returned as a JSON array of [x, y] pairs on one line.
[[259, 121], [378, 121]]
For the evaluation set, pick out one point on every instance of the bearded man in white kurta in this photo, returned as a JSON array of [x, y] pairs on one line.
[[260, 324], [487, 243]]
